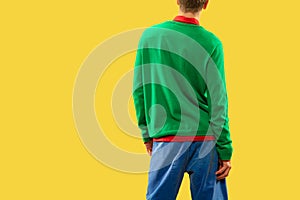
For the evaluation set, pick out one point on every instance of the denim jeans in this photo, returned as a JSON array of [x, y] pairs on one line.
[[169, 162]]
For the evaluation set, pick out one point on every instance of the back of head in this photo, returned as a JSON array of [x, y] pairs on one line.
[[192, 6]]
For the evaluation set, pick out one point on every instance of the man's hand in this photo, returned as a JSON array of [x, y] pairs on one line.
[[224, 168], [149, 147]]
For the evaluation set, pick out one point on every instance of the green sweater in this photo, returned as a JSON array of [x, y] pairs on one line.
[[179, 84]]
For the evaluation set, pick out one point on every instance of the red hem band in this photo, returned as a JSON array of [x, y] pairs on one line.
[[173, 138]]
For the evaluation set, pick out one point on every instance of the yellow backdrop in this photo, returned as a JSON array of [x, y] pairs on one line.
[[43, 45]]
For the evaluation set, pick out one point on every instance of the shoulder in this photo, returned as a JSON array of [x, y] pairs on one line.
[[154, 32], [212, 38], [155, 28]]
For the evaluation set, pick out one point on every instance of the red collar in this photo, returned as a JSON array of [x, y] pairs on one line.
[[187, 20]]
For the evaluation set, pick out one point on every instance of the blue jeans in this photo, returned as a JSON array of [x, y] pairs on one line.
[[169, 162]]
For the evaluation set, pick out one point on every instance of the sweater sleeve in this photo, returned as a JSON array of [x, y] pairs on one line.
[[138, 95], [218, 103]]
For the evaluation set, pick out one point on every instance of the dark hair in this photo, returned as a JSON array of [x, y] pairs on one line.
[[192, 6]]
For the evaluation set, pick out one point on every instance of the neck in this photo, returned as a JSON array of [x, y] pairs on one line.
[[190, 15]]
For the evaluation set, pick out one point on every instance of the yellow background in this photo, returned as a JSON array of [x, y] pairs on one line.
[[43, 44]]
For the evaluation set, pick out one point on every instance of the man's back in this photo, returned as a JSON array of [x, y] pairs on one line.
[[173, 60]]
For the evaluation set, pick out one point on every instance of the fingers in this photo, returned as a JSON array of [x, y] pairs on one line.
[[224, 170], [223, 175], [149, 151], [149, 147], [221, 170]]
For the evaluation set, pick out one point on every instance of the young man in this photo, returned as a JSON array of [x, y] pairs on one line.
[[180, 98]]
